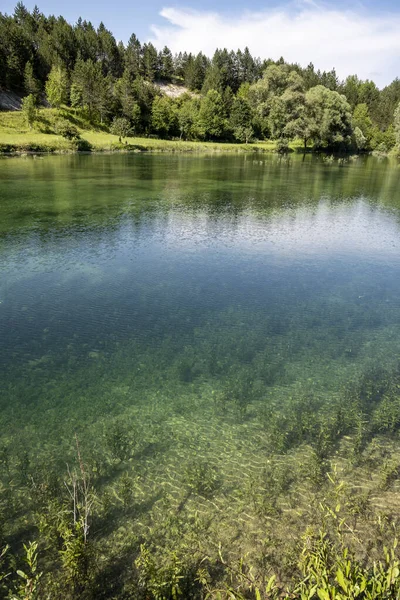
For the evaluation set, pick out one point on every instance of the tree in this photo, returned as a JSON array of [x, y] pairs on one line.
[[240, 120], [110, 80], [163, 116], [257, 96], [195, 71], [89, 83], [351, 89], [187, 117], [389, 98], [359, 139], [330, 80], [212, 80], [109, 54], [327, 116], [362, 121], [31, 84], [136, 117], [166, 64], [144, 94], [133, 57], [29, 110], [276, 77], [124, 93], [310, 77], [57, 87], [369, 95], [247, 66], [211, 119], [228, 99], [397, 124], [150, 62], [120, 127], [75, 96], [128, 105]]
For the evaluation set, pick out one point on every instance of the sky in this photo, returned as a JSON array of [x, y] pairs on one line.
[[358, 37]]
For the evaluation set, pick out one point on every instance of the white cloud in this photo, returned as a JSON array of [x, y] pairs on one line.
[[352, 41]]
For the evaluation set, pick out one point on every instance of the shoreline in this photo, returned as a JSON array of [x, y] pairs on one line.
[[146, 146]]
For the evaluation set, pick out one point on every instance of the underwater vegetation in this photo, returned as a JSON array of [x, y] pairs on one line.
[[280, 500], [200, 379]]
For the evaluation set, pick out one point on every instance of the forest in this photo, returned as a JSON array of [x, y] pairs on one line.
[[232, 96]]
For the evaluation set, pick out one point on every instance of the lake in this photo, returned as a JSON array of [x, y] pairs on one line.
[[188, 327]]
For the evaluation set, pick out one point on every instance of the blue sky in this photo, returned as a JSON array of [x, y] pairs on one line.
[[357, 37]]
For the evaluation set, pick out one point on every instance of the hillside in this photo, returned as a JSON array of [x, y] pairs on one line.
[[17, 137]]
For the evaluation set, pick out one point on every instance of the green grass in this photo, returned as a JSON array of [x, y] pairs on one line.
[[17, 137]]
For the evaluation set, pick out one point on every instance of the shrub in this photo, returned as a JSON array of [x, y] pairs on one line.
[[282, 146], [66, 130]]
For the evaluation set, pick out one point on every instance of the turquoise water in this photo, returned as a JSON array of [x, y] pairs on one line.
[[197, 304]]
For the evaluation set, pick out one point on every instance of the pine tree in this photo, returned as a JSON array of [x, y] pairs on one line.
[[31, 84], [167, 64]]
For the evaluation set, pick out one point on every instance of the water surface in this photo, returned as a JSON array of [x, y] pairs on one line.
[[187, 298]]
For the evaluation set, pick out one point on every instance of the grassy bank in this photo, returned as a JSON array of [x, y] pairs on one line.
[[17, 137]]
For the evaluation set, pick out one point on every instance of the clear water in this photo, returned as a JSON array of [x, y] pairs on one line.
[[135, 289]]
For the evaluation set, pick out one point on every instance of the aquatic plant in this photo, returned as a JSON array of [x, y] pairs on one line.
[[159, 581], [29, 589], [119, 441], [202, 478]]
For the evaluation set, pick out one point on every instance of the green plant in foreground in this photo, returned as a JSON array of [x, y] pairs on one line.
[[29, 587], [330, 573], [159, 581], [74, 555], [3, 571]]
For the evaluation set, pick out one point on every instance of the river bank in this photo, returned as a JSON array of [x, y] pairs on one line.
[[17, 138]]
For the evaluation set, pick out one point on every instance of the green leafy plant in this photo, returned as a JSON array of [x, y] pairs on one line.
[[29, 589], [202, 478], [160, 581]]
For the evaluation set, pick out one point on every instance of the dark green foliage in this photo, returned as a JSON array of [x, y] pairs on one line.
[[22, 465], [89, 84], [202, 478], [240, 120], [282, 146], [166, 64], [31, 84], [212, 119], [160, 581], [163, 116], [66, 129], [5, 458], [119, 441]]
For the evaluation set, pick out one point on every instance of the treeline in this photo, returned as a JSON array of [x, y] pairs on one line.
[[233, 95]]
